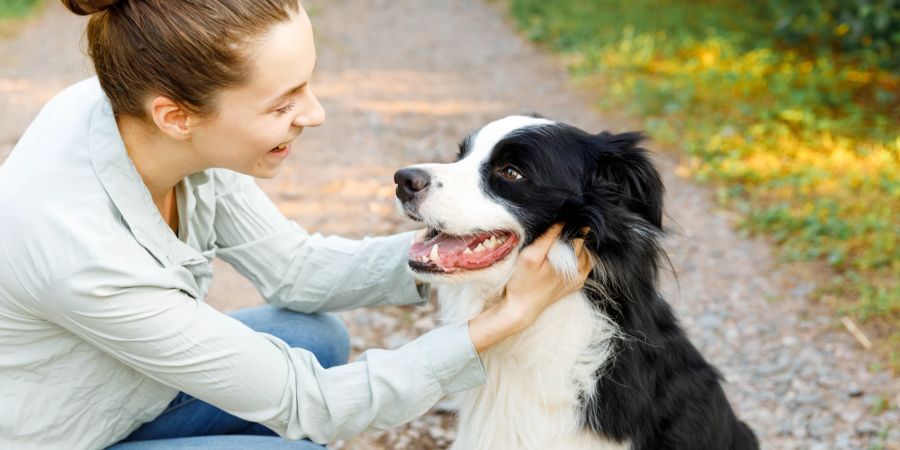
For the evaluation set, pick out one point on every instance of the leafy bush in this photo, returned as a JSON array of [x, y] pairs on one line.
[[10, 9], [868, 30], [796, 132]]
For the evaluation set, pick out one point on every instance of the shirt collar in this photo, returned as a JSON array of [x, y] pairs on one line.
[[128, 193]]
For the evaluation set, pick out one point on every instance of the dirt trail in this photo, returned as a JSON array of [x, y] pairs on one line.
[[402, 81]]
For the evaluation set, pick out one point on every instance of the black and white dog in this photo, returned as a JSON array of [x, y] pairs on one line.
[[605, 368]]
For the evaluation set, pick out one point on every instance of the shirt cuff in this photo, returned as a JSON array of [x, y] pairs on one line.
[[406, 292], [453, 358]]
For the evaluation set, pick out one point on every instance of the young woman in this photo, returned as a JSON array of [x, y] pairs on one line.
[[122, 191]]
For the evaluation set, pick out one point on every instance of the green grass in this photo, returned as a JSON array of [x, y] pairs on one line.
[[804, 145], [14, 9]]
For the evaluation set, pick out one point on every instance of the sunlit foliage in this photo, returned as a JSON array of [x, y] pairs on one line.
[[802, 139]]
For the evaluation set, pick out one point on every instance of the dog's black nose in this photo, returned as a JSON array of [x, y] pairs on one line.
[[411, 182]]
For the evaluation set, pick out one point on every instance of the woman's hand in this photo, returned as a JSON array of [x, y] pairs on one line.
[[533, 287]]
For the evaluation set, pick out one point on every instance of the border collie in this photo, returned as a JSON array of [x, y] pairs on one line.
[[605, 368]]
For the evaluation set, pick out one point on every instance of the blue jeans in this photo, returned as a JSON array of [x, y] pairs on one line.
[[189, 423]]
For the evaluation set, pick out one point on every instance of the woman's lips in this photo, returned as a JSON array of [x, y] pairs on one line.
[[281, 152]]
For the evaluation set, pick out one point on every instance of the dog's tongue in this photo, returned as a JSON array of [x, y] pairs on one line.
[[449, 252]]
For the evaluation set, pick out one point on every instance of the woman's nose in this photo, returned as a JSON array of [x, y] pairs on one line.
[[311, 114]]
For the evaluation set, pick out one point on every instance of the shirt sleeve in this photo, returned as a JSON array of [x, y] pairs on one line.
[[308, 273], [181, 342]]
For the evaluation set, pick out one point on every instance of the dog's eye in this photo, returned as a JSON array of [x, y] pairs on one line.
[[510, 173]]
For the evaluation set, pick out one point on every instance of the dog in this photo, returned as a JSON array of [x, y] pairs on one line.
[[607, 367]]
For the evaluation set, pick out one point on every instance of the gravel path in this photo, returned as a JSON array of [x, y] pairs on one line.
[[402, 81]]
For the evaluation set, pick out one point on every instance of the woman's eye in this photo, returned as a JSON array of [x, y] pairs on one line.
[[510, 173], [285, 108]]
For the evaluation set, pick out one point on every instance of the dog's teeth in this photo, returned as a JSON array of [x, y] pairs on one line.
[[434, 254], [467, 251], [480, 247], [490, 243]]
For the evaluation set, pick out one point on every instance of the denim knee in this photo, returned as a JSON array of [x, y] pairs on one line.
[[334, 350], [323, 334]]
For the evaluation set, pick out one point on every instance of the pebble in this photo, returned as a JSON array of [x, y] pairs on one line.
[[851, 415], [820, 426], [393, 341], [867, 427], [436, 432]]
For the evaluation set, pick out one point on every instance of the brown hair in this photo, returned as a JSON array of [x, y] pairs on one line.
[[186, 50]]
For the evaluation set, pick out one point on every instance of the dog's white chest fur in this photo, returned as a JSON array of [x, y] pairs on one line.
[[534, 379]]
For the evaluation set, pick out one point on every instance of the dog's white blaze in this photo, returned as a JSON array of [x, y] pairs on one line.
[[456, 201]]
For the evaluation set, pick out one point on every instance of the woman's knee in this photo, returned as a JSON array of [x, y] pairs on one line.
[[323, 334], [334, 350]]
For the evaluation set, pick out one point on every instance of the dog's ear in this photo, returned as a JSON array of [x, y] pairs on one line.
[[626, 168]]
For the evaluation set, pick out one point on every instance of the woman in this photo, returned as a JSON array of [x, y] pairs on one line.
[[117, 198]]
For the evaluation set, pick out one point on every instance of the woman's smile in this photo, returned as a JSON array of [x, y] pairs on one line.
[[281, 151]]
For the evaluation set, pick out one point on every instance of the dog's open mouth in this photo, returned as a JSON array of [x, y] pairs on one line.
[[446, 253]]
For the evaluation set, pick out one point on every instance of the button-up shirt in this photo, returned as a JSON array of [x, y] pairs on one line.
[[102, 318]]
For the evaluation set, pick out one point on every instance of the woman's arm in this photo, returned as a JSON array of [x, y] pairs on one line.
[[296, 270], [145, 321]]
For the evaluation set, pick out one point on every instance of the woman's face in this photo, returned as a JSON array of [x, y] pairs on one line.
[[256, 123]]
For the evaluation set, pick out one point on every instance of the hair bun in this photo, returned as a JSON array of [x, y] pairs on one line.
[[88, 7]]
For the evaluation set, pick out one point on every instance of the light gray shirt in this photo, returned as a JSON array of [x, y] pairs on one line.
[[102, 319]]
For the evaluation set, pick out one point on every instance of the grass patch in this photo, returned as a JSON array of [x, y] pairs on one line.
[[16, 9], [805, 145], [12, 13]]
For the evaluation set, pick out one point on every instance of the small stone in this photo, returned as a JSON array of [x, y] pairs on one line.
[[436, 432], [708, 320], [402, 442], [854, 390], [396, 341], [807, 399], [425, 323], [842, 440], [802, 289], [784, 428], [851, 415], [866, 428], [451, 435], [358, 343], [446, 406], [789, 340], [821, 426]]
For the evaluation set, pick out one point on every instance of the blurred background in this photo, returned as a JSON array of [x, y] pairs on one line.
[[775, 124]]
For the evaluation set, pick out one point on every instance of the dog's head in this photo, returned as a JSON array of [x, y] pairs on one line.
[[512, 180]]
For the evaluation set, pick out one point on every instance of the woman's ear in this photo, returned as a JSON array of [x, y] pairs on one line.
[[628, 169], [170, 117]]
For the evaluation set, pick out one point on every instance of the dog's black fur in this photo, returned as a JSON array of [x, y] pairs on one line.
[[657, 391]]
